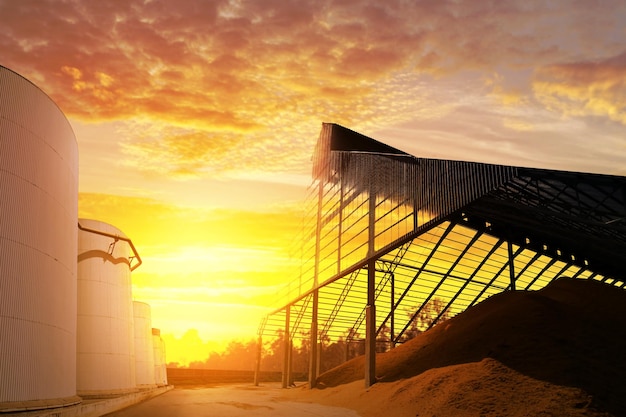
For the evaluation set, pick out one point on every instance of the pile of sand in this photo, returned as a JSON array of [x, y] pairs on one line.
[[560, 351]]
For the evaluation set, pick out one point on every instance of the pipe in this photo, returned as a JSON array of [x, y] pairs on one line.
[[116, 237]]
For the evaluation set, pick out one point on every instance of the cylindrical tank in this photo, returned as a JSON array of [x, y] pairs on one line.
[[105, 332], [160, 366], [144, 349], [38, 214]]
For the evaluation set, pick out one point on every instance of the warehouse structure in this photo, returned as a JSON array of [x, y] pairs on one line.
[[393, 243]]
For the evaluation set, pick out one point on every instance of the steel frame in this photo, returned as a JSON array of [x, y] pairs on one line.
[[387, 233]]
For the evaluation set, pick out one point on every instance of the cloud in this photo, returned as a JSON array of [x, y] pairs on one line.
[[524, 135], [239, 81], [589, 88], [179, 152]]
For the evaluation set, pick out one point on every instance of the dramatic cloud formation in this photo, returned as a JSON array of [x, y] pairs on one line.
[[210, 86], [596, 88], [196, 119]]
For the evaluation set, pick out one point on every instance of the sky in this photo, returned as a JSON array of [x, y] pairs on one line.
[[196, 119]]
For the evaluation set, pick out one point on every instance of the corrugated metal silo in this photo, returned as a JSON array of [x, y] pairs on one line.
[[38, 214], [105, 333], [144, 349], [160, 365]]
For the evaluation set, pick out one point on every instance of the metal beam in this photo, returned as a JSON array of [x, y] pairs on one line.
[[543, 270], [313, 338], [257, 368], [495, 276], [287, 347], [370, 327], [314, 309], [392, 312], [443, 278], [493, 250], [511, 265], [370, 309], [417, 274]]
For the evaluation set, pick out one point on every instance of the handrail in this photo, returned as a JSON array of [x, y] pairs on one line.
[[116, 237]]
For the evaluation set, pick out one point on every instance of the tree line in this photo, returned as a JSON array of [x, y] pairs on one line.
[[241, 355]]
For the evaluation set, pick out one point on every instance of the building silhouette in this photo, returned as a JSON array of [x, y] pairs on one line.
[[389, 238]]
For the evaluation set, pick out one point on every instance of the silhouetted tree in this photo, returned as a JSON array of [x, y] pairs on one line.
[[272, 358], [241, 355], [355, 346], [432, 313], [300, 354], [383, 340], [333, 355]]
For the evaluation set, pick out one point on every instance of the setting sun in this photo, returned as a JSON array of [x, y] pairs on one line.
[[196, 120]]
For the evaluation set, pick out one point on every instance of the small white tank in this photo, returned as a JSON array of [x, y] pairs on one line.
[[144, 349], [105, 332], [38, 215], [160, 365]]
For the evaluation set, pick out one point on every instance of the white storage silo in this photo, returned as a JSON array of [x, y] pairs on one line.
[[38, 214], [144, 349], [160, 365], [105, 332]]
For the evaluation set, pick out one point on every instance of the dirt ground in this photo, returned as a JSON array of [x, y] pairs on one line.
[[234, 400], [485, 389], [555, 352], [558, 351]]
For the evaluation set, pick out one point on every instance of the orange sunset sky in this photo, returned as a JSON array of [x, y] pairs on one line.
[[196, 119]]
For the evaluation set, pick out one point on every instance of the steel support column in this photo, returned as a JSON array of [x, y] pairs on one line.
[[392, 311], [290, 364], [313, 338], [370, 308], [318, 371], [370, 327], [257, 368], [287, 346], [314, 308], [511, 265]]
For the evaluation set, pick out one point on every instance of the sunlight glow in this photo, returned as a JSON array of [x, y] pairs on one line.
[[196, 127]]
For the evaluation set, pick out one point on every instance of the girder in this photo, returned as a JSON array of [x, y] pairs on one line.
[[441, 233]]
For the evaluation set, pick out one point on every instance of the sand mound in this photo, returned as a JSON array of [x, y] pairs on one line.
[[563, 346], [486, 389]]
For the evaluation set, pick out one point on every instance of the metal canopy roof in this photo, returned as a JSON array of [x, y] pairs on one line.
[[441, 236], [582, 216], [577, 215]]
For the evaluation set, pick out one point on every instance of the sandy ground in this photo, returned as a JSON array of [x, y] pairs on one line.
[[482, 389], [268, 400], [555, 352]]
